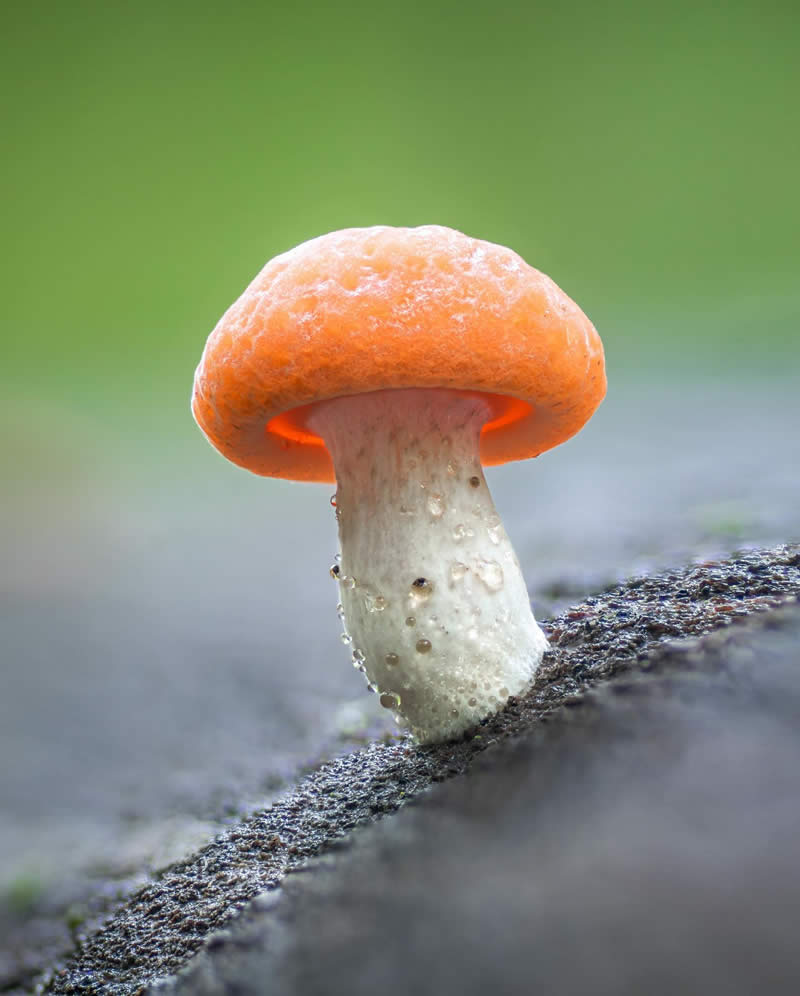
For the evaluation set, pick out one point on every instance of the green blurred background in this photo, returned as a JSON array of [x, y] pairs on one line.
[[156, 154]]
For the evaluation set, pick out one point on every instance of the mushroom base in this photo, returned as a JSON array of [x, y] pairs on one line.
[[433, 600]]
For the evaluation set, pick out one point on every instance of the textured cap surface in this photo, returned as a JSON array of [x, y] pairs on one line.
[[366, 309]]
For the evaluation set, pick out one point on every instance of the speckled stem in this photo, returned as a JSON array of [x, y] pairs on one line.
[[432, 593]]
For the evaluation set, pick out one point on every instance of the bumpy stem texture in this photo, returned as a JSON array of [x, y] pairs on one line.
[[432, 595]]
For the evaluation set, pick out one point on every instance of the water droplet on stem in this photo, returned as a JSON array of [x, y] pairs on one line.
[[491, 573], [436, 506], [457, 572], [421, 590]]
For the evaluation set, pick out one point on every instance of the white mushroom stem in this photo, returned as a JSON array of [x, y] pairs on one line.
[[433, 597]]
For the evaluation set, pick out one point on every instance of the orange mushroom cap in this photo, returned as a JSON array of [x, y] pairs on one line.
[[366, 309]]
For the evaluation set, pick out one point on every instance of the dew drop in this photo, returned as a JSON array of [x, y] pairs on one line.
[[333, 500], [495, 533], [473, 702], [436, 506], [420, 591], [340, 610], [423, 646], [374, 603], [504, 693], [405, 510], [491, 573], [338, 558], [454, 712], [389, 700], [452, 468], [391, 660], [359, 655], [346, 581], [346, 639], [457, 572], [459, 532], [475, 481], [371, 687], [334, 572], [411, 621]]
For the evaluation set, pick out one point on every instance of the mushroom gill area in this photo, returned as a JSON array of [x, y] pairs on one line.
[[433, 602]]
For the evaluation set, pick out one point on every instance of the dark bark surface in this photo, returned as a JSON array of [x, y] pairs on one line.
[[632, 822]]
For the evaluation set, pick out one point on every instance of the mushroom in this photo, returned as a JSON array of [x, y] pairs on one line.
[[397, 362]]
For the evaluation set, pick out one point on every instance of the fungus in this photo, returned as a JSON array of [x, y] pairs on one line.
[[397, 362]]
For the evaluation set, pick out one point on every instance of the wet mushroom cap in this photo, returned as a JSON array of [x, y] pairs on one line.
[[367, 309]]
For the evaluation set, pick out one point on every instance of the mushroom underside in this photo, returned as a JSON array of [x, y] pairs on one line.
[[435, 609]]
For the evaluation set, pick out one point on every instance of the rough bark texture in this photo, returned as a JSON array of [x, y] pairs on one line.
[[703, 733]]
